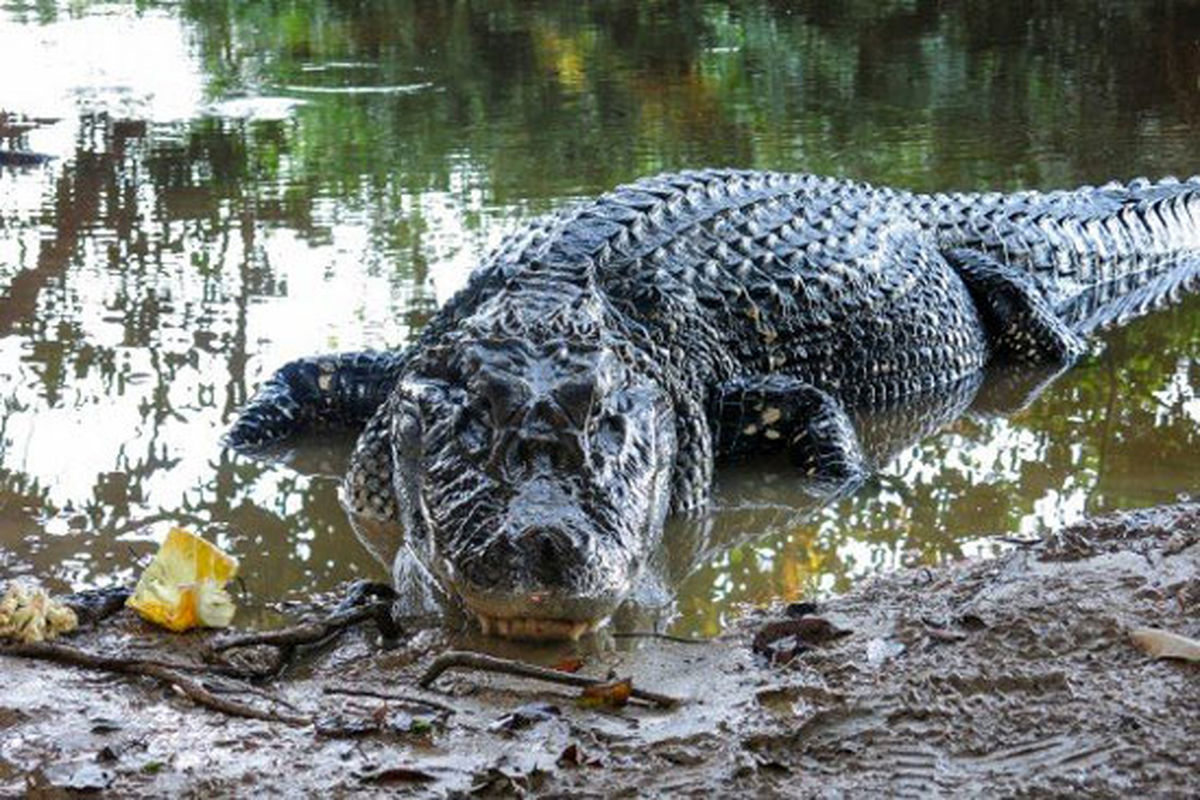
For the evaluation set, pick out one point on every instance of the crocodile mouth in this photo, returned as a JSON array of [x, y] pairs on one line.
[[534, 628], [536, 616]]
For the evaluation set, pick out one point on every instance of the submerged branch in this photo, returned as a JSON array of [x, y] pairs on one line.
[[464, 660]]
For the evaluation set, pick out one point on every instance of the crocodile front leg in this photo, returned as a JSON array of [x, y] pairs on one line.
[[367, 487], [339, 390], [780, 413], [1021, 325]]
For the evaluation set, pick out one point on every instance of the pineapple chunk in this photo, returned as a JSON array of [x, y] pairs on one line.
[[184, 586]]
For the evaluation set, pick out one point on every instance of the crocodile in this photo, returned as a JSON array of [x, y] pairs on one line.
[[598, 363]]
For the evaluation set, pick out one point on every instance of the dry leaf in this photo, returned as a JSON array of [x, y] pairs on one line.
[[525, 716], [571, 756], [1164, 644], [569, 664], [399, 773], [614, 694], [782, 640]]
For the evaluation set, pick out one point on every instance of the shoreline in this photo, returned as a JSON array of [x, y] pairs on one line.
[[1010, 675]]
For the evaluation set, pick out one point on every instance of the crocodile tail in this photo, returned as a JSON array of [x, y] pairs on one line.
[[1102, 254], [320, 392]]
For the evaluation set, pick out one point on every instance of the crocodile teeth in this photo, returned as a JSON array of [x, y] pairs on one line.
[[534, 628]]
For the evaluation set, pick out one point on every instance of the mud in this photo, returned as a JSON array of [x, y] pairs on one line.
[[1010, 676]]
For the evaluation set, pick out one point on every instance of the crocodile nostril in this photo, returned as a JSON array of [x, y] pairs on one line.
[[560, 451], [549, 552]]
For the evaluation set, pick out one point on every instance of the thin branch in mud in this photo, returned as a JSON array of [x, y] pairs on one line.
[[305, 633], [216, 688], [172, 676], [460, 659], [286, 641], [393, 696], [1017, 541], [666, 637]]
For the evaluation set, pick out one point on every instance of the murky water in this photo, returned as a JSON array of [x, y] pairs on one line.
[[232, 185]]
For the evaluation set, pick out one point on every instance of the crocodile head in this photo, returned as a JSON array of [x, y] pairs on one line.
[[532, 479]]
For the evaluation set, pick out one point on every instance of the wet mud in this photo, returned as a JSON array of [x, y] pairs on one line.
[[1009, 676]]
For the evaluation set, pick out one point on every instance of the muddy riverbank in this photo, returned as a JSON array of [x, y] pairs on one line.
[[1014, 675]]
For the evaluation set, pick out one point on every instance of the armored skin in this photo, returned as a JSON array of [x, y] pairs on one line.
[[599, 362]]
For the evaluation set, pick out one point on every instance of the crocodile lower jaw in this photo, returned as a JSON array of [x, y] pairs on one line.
[[534, 628]]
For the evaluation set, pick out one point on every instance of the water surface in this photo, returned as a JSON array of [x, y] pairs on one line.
[[233, 185]]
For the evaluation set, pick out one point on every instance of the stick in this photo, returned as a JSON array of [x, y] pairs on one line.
[[399, 698], [666, 637], [304, 633], [217, 688], [462, 659], [190, 687]]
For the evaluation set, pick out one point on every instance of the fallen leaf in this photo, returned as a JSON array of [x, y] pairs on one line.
[[526, 716], [340, 726], [571, 756], [972, 622], [400, 773], [798, 610], [104, 725], [613, 694], [805, 631], [1164, 644], [420, 725], [569, 664]]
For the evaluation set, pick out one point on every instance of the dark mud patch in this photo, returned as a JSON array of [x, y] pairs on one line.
[[1014, 676]]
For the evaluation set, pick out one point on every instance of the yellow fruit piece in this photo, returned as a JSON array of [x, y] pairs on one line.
[[30, 615], [184, 586]]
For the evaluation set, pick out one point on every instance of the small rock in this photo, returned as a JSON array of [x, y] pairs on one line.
[[1178, 542]]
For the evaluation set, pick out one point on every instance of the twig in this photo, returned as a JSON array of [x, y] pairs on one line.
[[190, 687], [666, 637], [1016, 540], [217, 688], [461, 659], [399, 698], [302, 634]]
